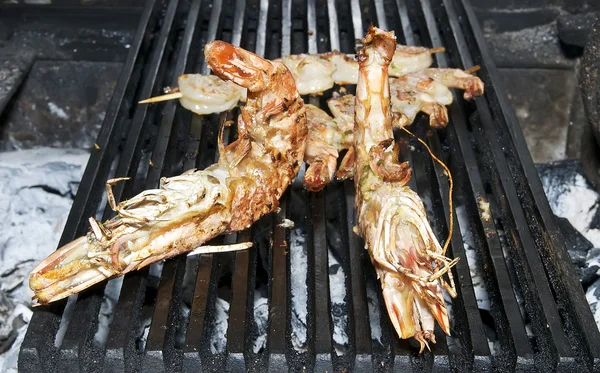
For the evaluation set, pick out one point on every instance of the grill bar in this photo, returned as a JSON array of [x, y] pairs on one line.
[[523, 265], [467, 312], [578, 316], [326, 359], [530, 256], [505, 311]]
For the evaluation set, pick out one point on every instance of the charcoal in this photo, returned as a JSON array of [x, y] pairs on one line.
[[574, 240], [589, 275], [13, 70], [578, 258], [573, 29], [6, 308]]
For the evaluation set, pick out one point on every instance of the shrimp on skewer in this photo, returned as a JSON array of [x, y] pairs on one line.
[[207, 94], [406, 255], [415, 89], [456, 78], [188, 210], [314, 74], [410, 94]]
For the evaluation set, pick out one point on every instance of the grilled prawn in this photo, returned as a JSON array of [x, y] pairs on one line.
[[410, 94], [406, 255], [188, 210]]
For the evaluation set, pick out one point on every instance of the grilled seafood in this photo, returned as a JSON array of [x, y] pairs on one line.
[[456, 78], [207, 94], [406, 255], [314, 74], [410, 94], [187, 210], [425, 90], [326, 137]]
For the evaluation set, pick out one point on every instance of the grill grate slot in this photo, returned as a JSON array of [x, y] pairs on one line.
[[251, 302]]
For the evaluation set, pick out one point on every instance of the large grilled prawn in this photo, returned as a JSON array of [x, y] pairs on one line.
[[406, 255], [188, 210]]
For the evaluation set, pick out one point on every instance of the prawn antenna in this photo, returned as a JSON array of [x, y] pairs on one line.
[[450, 187]]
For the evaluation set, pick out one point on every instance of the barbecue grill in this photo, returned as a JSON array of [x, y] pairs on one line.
[[538, 318]]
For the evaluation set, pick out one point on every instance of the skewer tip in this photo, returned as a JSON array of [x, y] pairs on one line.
[[437, 50], [473, 69], [167, 97]]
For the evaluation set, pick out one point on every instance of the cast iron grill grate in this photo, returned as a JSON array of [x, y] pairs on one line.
[[537, 316]]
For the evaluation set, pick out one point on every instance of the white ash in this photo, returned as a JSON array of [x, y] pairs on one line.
[[184, 314], [65, 320], [572, 197], [337, 295], [218, 340], [592, 296], [463, 222], [298, 276], [37, 187], [453, 342], [6, 308], [21, 314], [261, 319], [576, 201], [481, 294], [144, 331], [374, 314], [57, 111], [11, 280], [106, 315]]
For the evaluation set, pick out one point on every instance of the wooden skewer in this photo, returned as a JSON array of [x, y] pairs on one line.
[[437, 50], [473, 69], [170, 96]]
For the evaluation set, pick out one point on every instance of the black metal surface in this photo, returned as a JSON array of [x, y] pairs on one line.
[[538, 317], [588, 79]]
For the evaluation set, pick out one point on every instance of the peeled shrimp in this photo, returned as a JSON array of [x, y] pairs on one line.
[[456, 78], [206, 94], [312, 73], [188, 210]]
